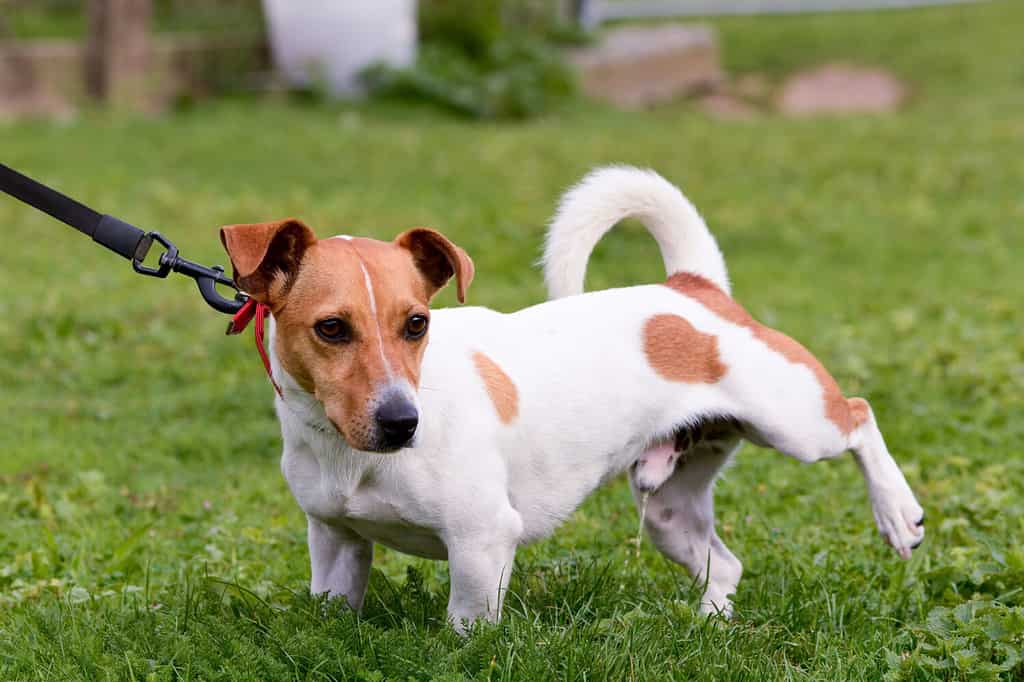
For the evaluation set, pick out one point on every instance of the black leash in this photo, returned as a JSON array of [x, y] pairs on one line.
[[122, 238]]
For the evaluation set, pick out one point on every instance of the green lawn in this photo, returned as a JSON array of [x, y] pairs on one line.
[[146, 530]]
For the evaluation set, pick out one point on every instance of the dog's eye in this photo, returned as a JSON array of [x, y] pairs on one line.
[[416, 326], [333, 330]]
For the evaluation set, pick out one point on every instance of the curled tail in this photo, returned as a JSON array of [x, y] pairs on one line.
[[610, 194]]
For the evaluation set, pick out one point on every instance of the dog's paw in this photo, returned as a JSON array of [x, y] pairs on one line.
[[900, 519], [721, 607]]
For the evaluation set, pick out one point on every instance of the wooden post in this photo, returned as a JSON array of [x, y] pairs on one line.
[[119, 53]]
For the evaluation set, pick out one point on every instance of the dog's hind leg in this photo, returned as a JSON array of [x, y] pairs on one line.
[[811, 438], [899, 517], [680, 520]]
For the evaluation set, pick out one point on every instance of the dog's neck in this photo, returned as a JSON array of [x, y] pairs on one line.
[[305, 407]]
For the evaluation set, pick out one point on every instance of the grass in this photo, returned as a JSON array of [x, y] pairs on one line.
[[146, 531]]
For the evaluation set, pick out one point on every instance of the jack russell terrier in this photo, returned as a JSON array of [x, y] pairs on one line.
[[491, 433]]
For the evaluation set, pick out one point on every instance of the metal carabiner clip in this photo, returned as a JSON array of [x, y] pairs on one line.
[[207, 278]]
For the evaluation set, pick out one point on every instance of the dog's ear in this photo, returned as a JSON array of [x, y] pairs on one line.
[[438, 259], [265, 254]]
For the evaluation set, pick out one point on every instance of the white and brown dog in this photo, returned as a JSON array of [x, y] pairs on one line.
[[491, 433]]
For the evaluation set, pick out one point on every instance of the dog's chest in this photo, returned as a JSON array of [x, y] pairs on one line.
[[333, 489], [353, 495]]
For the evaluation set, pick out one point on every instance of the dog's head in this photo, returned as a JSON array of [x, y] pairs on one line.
[[352, 317]]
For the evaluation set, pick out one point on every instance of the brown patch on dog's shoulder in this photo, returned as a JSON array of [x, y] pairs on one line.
[[846, 415], [678, 351], [500, 388]]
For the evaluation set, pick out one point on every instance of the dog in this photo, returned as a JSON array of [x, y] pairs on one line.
[[460, 434]]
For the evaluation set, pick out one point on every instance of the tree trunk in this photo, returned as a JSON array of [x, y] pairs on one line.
[[119, 53]]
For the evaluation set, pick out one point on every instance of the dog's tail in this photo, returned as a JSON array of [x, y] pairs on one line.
[[610, 194]]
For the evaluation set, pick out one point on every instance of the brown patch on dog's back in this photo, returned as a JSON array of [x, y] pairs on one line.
[[678, 351], [846, 415], [500, 388]]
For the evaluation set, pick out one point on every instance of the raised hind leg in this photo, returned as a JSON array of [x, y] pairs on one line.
[[899, 517], [680, 520]]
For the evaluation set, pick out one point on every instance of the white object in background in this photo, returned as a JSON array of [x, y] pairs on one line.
[[334, 40]]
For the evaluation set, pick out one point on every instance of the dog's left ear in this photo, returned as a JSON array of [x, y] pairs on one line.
[[438, 259]]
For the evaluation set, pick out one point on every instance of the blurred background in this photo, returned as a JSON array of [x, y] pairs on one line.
[[861, 163], [478, 58]]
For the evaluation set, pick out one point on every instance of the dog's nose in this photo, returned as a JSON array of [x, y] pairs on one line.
[[397, 419]]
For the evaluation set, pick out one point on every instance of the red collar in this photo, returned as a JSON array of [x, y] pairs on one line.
[[249, 310]]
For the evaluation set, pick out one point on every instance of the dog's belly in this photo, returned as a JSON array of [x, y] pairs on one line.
[[548, 487]]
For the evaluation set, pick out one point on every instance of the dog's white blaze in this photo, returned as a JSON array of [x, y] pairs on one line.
[[376, 319]]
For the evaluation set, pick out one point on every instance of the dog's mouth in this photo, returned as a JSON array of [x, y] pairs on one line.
[[376, 444], [384, 448]]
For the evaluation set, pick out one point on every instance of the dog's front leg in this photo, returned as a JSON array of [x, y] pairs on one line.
[[340, 562], [479, 579], [480, 564]]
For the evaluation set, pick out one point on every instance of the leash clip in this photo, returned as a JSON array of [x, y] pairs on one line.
[[206, 278], [167, 258]]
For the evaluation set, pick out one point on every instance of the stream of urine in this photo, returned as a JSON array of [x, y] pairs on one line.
[[640, 528]]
